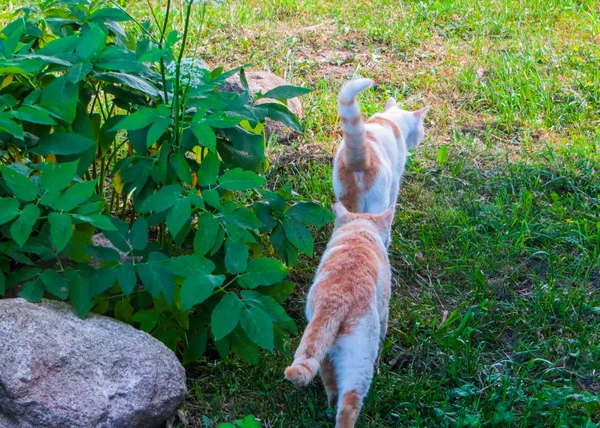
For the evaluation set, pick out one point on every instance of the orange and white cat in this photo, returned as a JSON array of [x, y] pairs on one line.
[[369, 163], [347, 310]]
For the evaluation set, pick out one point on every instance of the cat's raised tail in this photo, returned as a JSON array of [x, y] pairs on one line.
[[318, 338], [352, 122]]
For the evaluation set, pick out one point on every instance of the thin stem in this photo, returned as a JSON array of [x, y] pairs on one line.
[[160, 45], [153, 14], [148, 33], [164, 29], [185, 99], [112, 200], [113, 155], [124, 205], [176, 95]]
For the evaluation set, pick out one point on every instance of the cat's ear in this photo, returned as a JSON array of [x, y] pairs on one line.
[[420, 114], [391, 103], [388, 216], [339, 210]]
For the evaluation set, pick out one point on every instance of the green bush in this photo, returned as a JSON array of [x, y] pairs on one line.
[[93, 122]]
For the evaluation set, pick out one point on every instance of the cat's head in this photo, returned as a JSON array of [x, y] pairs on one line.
[[382, 223], [410, 122]]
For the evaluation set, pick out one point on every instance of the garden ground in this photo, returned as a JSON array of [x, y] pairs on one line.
[[496, 303]]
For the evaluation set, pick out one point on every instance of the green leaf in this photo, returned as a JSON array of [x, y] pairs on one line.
[[282, 114], [33, 291], [278, 291], [34, 114], [243, 347], [126, 277], [78, 71], [100, 221], [148, 319], [156, 278], [119, 237], [109, 14], [226, 315], [21, 229], [265, 216], [238, 179], [212, 198], [21, 186], [189, 265], [10, 126], [2, 283], [158, 128], [271, 307], [442, 155], [243, 217], [138, 120], [10, 209], [222, 347], [222, 120], [178, 216], [101, 280], [258, 326], [197, 288], [62, 143], [299, 236], [195, 347], [92, 42], [286, 92], [205, 135], [103, 253], [263, 271], [79, 293], [61, 98], [124, 310], [309, 213], [75, 196], [206, 234], [236, 256], [61, 229], [248, 422], [162, 200], [181, 167], [209, 169], [56, 177], [130, 81], [138, 236], [60, 45], [55, 283]]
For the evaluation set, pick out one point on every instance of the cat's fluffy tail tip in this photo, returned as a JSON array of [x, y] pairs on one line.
[[353, 87], [299, 374]]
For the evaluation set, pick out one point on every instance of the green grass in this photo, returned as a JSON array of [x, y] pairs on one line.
[[495, 314]]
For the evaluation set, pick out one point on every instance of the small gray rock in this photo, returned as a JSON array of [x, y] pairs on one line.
[[57, 370], [264, 81]]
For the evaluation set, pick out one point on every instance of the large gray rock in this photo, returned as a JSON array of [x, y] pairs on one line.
[[57, 370], [262, 81]]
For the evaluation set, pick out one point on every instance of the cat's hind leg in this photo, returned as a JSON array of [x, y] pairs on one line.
[[329, 378], [354, 357]]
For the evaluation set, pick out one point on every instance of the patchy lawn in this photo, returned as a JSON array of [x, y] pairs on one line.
[[496, 309]]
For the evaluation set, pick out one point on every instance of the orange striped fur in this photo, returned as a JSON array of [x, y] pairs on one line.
[[349, 296], [370, 162]]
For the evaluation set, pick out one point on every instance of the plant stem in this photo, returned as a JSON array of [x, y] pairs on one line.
[[195, 49], [112, 200], [160, 45], [176, 95], [148, 33]]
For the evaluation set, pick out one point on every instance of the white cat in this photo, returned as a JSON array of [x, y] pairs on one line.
[[347, 309], [369, 163]]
